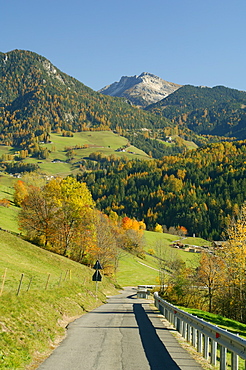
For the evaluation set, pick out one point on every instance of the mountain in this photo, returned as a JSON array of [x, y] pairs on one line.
[[141, 90], [36, 98], [206, 111]]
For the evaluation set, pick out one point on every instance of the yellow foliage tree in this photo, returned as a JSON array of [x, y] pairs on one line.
[[104, 245], [58, 213], [210, 274], [20, 192], [233, 253], [158, 228]]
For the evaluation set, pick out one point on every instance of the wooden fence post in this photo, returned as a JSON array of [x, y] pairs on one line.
[[60, 279], [3, 282], [47, 282], [19, 288], [66, 275], [30, 282]]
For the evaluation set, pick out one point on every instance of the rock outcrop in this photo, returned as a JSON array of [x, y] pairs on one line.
[[141, 90]]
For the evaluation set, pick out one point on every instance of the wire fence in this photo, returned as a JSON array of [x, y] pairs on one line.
[[26, 282]]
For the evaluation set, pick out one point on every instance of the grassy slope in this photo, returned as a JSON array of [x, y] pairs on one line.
[[155, 241], [32, 321], [105, 142], [135, 271], [8, 216]]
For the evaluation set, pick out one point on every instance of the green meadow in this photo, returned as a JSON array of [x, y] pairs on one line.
[[105, 142], [133, 271], [8, 216], [160, 245]]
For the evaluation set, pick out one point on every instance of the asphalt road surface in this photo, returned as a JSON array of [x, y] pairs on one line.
[[123, 334]]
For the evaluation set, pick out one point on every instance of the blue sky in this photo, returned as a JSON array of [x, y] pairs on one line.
[[183, 41]]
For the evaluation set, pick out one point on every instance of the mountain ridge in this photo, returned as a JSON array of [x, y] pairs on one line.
[[141, 90], [37, 98], [205, 110]]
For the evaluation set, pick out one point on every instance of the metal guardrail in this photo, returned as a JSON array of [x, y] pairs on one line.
[[205, 337], [144, 291]]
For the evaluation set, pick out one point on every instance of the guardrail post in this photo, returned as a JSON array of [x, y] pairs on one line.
[[194, 333], [234, 361], [199, 341], [179, 325], [175, 324], [165, 312], [157, 305], [188, 333], [223, 358], [213, 352], [172, 318], [184, 331], [206, 347]]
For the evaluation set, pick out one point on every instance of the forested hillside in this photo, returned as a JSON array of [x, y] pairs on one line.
[[200, 190], [37, 98], [214, 111]]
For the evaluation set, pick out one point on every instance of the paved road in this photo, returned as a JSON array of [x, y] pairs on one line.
[[123, 334]]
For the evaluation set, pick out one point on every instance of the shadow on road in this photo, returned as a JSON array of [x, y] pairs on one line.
[[132, 296], [155, 351]]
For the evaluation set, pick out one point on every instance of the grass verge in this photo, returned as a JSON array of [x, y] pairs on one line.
[[233, 326], [33, 322]]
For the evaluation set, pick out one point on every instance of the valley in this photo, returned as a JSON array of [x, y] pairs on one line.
[[193, 140], [86, 176]]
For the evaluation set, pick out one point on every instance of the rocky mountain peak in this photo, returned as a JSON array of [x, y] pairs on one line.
[[141, 90]]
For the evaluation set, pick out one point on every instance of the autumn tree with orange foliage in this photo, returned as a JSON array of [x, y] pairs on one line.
[[5, 202], [131, 238]]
